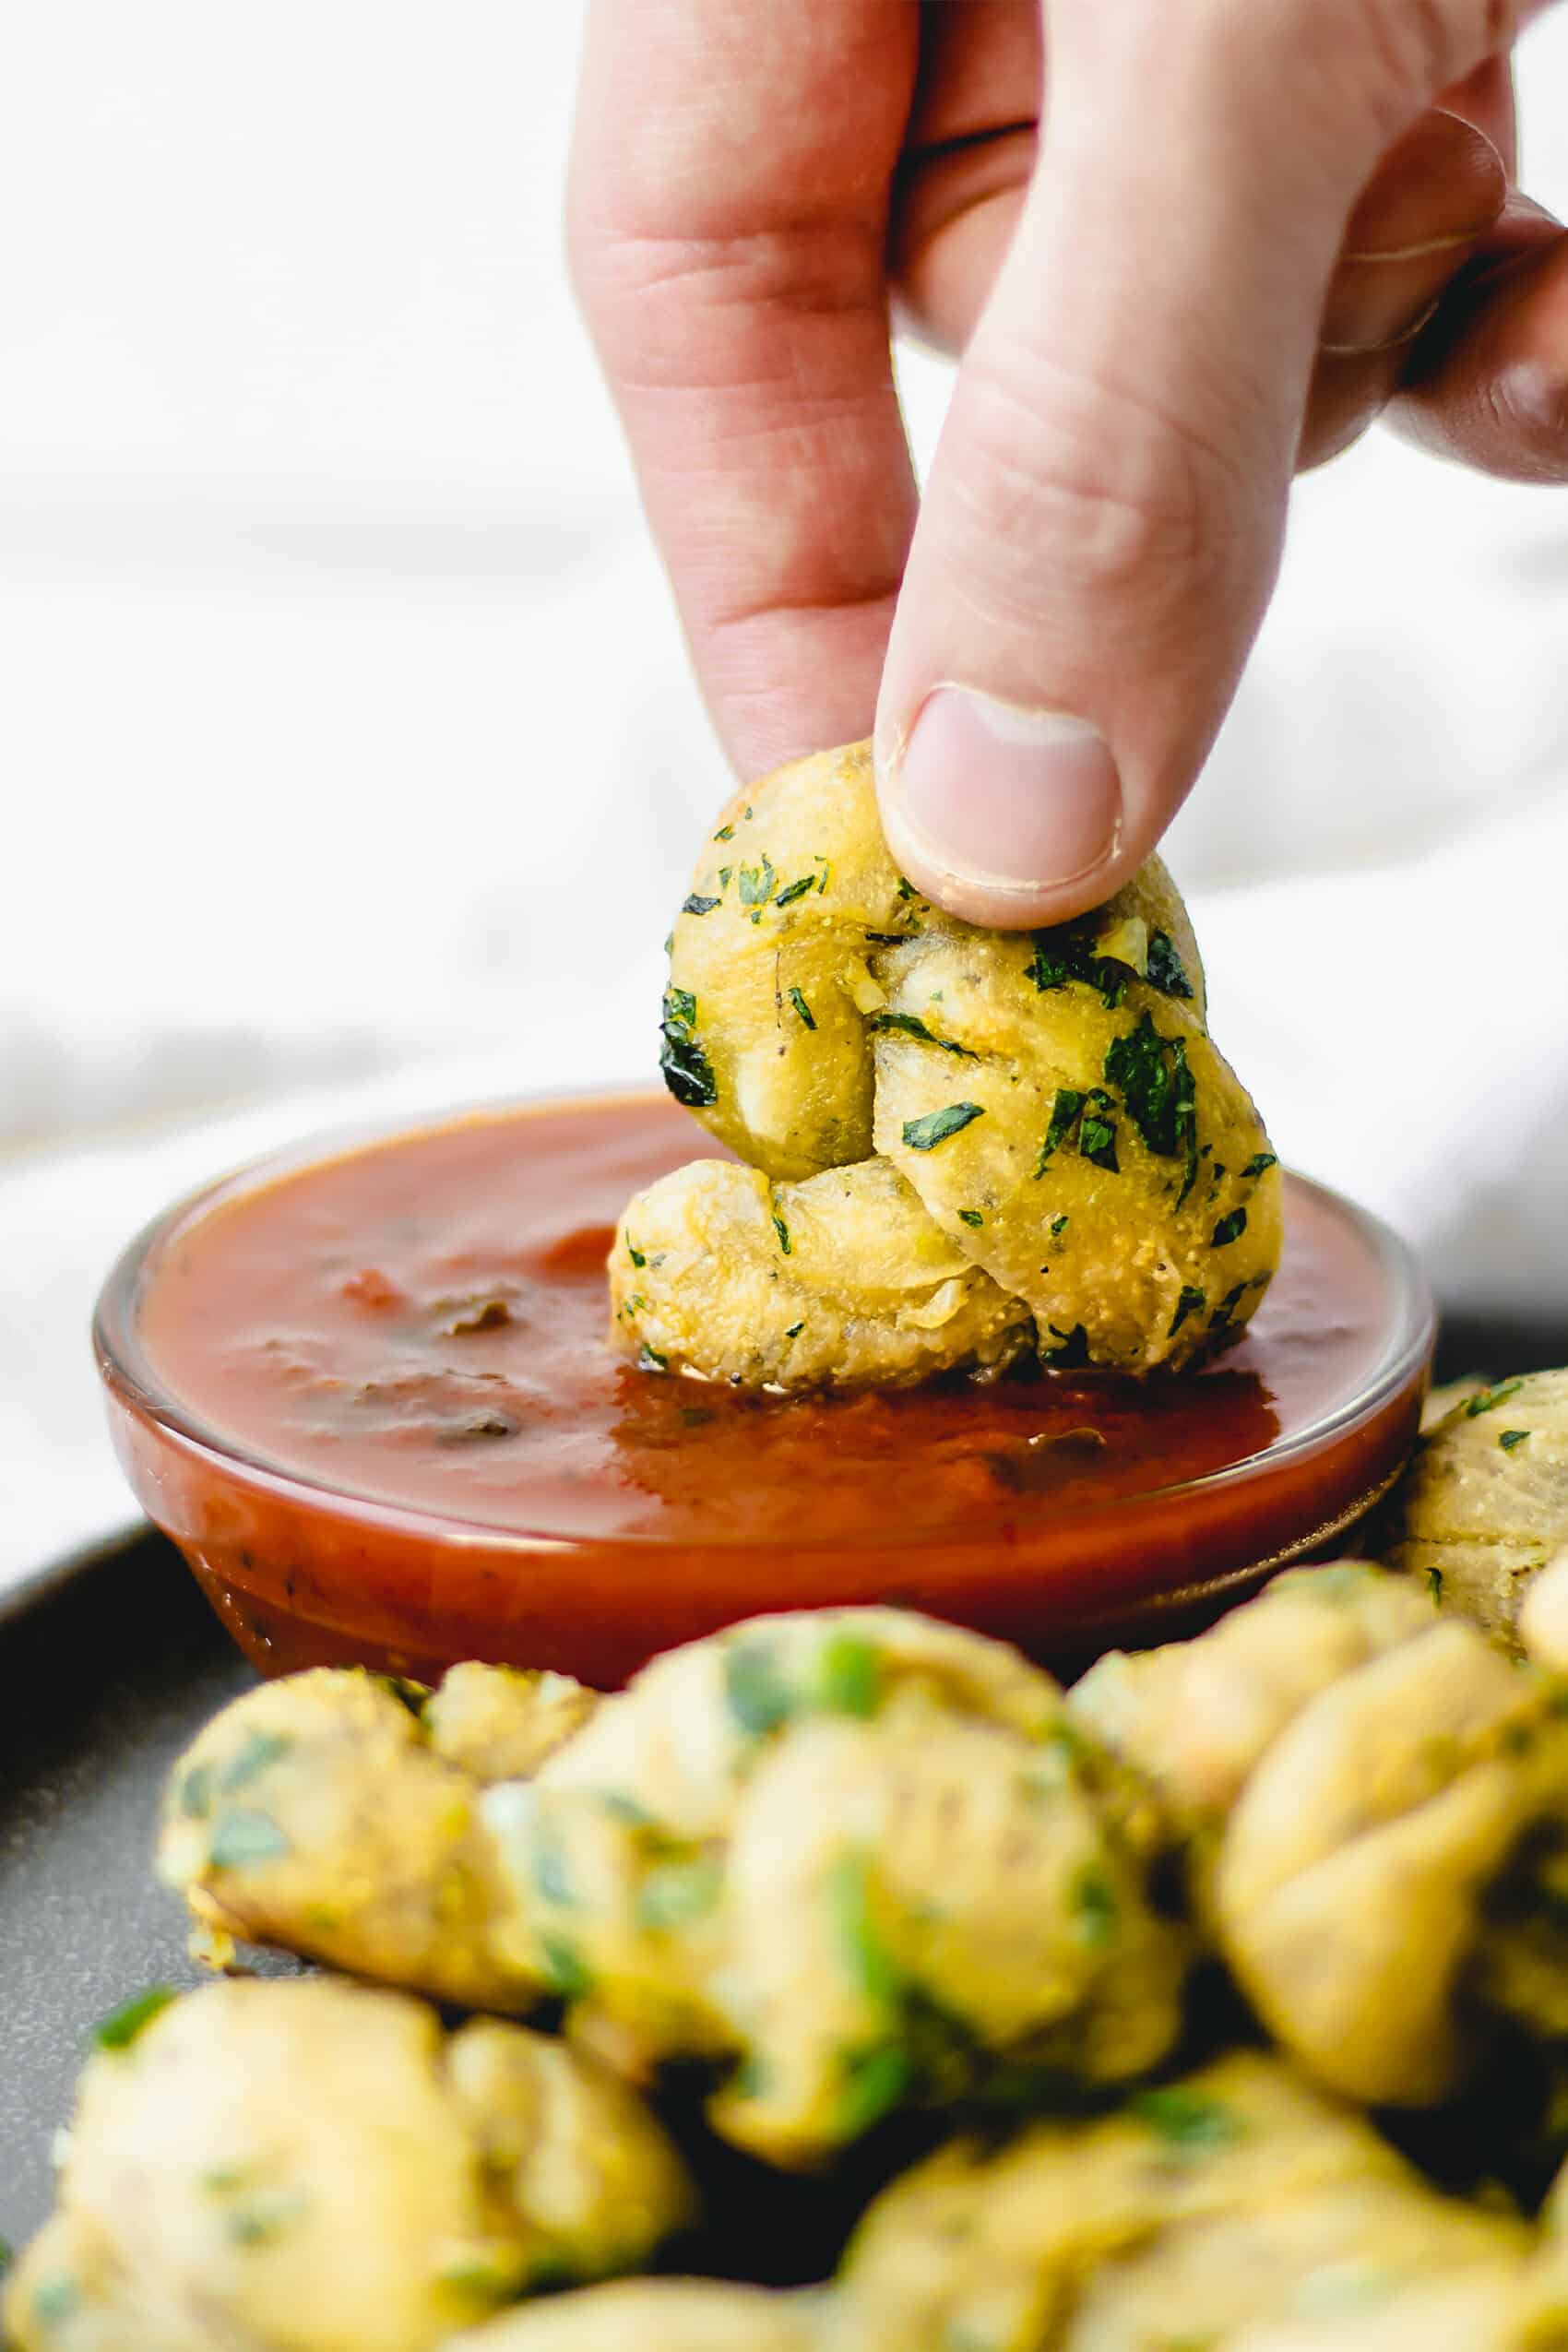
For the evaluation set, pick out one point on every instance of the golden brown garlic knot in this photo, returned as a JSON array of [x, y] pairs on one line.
[[961, 1145]]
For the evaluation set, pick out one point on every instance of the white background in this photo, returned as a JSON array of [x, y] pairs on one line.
[[347, 742]]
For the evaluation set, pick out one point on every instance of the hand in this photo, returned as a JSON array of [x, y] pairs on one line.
[[1249, 226]]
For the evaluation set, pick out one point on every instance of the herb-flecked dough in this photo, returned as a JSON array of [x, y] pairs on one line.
[[1483, 1507], [853, 1862], [828, 1767], [344, 1812], [319, 2168], [1371, 1799], [959, 1146]]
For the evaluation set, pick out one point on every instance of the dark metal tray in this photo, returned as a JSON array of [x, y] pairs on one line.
[[105, 1680]]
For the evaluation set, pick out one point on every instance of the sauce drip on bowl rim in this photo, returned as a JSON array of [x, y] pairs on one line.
[[407, 1340]]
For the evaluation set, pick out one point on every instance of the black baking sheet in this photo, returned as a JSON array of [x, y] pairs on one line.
[[104, 1682]]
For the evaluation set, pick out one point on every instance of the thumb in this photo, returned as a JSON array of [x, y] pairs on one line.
[[1105, 513]]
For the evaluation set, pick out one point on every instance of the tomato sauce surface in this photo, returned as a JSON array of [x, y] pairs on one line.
[[423, 1324]]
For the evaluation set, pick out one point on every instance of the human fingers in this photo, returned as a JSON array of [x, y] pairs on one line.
[[968, 160], [1102, 526], [728, 219], [1486, 382], [1486, 99], [1433, 198]]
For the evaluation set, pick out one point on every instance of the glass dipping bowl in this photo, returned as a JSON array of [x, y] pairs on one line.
[[292, 1358]]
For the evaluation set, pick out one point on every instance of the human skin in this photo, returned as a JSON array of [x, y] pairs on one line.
[[1244, 233]]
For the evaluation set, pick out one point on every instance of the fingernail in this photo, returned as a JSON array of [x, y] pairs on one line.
[[1390, 340], [989, 794]]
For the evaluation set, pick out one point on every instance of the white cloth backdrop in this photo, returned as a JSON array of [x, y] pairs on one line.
[[349, 760]]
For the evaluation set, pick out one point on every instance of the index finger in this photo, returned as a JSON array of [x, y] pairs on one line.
[[728, 217]]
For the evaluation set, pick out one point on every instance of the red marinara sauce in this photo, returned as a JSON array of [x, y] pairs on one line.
[[372, 1398]]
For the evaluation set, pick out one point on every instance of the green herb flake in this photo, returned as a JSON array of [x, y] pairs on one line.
[[725, 833], [495, 2281], [1066, 1744], [1066, 955], [1220, 1319], [925, 1135], [55, 2299], [891, 938], [242, 1837], [649, 1360], [550, 1870], [1064, 1108], [1151, 1073], [263, 2220], [121, 2027], [1485, 1399], [802, 1008], [783, 1233], [676, 1892], [909, 1024], [1186, 2120], [751, 2079], [848, 1677], [906, 889], [724, 874], [697, 905], [1260, 1163], [1190, 1302], [620, 1807], [223, 2179], [1229, 1228], [687, 1071], [1166, 970], [1058, 1226], [794, 1331], [567, 1972], [848, 1893], [1434, 1583], [794, 890], [638, 1258], [874, 2081], [1047, 969], [1097, 1132], [1510, 1438], [970, 1217], [261, 1749], [757, 884], [1094, 1907], [756, 1694]]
